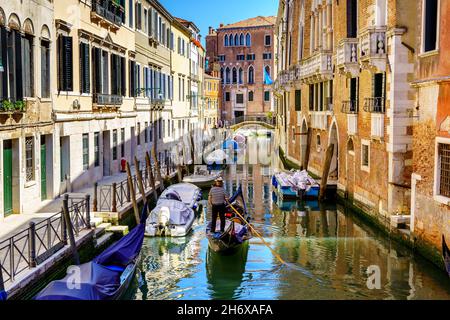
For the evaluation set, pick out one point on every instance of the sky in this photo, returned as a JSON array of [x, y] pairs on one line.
[[205, 13]]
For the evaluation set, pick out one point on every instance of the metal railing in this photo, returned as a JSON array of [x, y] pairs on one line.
[[34, 245], [109, 10], [374, 105], [256, 118], [107, 99], [350, 106]]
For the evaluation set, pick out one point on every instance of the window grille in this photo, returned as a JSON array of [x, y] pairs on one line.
[[444, 157], [29, 154]]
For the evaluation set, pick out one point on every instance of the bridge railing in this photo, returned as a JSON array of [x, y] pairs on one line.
[[254, 118]]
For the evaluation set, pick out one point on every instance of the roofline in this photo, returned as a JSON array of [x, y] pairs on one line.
[[162, 9], [182, 27], [194, 26]]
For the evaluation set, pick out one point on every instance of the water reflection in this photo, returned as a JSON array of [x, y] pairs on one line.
[[329, 250]]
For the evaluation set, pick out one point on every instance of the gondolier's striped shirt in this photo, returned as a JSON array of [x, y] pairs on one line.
[[217, 195]]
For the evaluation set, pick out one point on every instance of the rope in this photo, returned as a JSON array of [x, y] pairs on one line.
[[257, 233]]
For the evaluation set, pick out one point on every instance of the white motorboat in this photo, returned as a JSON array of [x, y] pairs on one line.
[[187, 193], [170, 218], [217, 157], [203, 178]]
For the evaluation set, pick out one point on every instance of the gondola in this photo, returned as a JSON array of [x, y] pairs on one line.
[[106, 277], [446, 255], [236, 229]]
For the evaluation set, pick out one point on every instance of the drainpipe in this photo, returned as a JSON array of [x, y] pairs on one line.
[[414, 179]]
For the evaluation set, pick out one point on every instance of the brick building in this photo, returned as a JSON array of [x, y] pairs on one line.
[[344, 71], [244, 50]]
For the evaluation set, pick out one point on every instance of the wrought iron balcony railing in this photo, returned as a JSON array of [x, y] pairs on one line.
[[109, 10], [350, 107], [109, 100], [374, 105]]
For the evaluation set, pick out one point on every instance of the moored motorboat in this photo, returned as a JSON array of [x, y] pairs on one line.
[[203, 178], [296, 185], [106, 277], [170, 218], [187, 193], [446, 255]]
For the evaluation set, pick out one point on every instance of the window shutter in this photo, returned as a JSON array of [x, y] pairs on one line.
[[60, 63], [85, 68], [113, 74], [4, 74], [123, 77], [19, 87], [66, 64]]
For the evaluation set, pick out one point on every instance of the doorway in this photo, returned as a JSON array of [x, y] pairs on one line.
[[65, 164], [350, 168], [106, 154], [334, 167], [7, 178], [43, 169]]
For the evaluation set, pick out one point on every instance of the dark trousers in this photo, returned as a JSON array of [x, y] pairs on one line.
[[218, 210]]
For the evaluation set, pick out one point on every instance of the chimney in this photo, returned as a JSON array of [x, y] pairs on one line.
[[221, 25], [210, 30]]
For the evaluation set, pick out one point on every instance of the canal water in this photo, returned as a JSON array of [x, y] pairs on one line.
[[328, 251]]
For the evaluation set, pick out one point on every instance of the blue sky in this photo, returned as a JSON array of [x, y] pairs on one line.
[[205, 13]]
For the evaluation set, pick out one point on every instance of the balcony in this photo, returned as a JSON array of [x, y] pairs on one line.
[[352, 124], [319, 120], [108, 12], [101, 100], [374, 105], [347, 57], [318, 67], [372, 45], [350, 107]]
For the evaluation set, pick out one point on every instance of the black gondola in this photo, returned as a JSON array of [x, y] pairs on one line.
[[236, 229], [446, 255], [106, 277]]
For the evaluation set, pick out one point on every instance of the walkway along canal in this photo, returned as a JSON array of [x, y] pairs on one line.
[[332, 253]]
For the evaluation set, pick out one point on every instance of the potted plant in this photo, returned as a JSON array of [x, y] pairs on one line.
[[19, 106]]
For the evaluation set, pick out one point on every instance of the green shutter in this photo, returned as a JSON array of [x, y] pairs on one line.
[[7, 178], [43, 171]]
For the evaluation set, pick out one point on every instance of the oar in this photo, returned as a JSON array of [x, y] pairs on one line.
[[276, 255]]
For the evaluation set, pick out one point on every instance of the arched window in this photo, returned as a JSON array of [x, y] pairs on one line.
[[251, 75], [248, 40], [350, 146], [240, 76], [250, 96], [236, 40], [241, 40], [268, 70], [225, 41], [231, 40], [234, 75], [221, 74], [227, 75]]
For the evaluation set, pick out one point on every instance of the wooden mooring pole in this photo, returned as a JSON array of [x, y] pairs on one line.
[[151, 176], [140, 181], [326, 172], [308, 149], [69, 227], [133, 194], [158, 170]]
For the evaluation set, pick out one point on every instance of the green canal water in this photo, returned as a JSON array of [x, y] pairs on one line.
[[328, 250]]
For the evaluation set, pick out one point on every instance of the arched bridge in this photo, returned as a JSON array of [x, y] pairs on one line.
[[264, 121]]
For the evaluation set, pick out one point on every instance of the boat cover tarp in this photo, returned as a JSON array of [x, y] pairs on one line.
[[230, 144], [298, 180], [92, 282], [218, 156], [96, 280], [180, 214], [187, 192]]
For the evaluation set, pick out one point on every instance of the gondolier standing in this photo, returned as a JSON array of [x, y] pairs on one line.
[[217, 200]]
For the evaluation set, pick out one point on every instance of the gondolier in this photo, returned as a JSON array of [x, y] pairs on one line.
[[217, 200]]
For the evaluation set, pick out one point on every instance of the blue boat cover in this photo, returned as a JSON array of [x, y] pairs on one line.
[[230, 143], [100, 278], [239, 197], [3, 296]]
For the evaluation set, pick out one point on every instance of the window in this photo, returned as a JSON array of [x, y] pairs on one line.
[[130, 14], [267, 40], [227, 75], [65, 64], [248, 40], [365, 155], [225, 41], [114, 149], [352, 18], [85, 78], [231, 41], [29, 158], [241, 40], [239, 98], [318, 141], [298, 100], [234, 75], [444, 169], [138, 16], [122, 142], [222, 58], [27, 65], [45, 69], [251, 57], [236, 40], [227, 96], [85, 151], [430, 25], [350, 146], [96, 149], [250, 96], [251, 75], [138, 134], [240, 76], [145, 21], [266, 96], [240, 57], [267, 56]]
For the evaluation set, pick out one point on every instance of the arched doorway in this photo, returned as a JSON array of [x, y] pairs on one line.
[[334, 167], [350, 170]]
